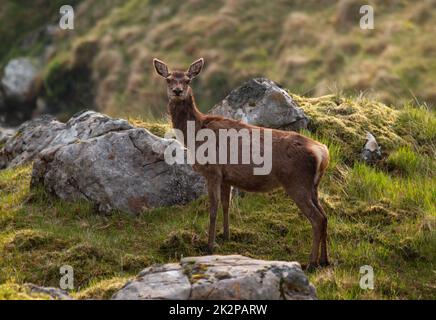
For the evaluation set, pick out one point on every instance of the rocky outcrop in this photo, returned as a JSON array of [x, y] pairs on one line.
[[220, 277], [262, 102], [106, 161]]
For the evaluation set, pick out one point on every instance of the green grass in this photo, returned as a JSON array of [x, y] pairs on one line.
[[418, 123], [382, 215], [368, 224], [410, 163]]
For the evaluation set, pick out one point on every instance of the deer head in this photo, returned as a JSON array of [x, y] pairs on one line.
[[178, 81]]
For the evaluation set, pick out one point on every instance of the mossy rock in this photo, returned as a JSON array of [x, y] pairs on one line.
[[345, 122]]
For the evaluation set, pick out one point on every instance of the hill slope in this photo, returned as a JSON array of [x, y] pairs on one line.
[[311, 47]]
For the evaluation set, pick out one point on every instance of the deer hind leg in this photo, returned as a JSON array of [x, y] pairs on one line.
[[305, 203], [324, 256], [214, 190], [225, 201]]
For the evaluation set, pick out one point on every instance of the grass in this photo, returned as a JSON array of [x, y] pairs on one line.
[[410, 163], [383, 216]]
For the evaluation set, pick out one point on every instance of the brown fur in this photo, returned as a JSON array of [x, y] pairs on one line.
[[298, 164]]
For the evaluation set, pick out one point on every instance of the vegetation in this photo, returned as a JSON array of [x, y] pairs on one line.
[[311, 49], [382, 215]]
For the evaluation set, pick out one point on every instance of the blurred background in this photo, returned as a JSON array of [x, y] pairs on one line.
[[311, 47]]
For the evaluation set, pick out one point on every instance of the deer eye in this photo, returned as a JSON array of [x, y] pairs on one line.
[[168, 80]]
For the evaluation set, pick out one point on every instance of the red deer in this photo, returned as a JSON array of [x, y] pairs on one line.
[[298, 162]]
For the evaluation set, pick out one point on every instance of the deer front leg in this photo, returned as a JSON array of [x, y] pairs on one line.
[[225, 201], [214, 190]]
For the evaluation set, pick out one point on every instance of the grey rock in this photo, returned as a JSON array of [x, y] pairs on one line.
[[54, 293], [110, 163], [19, 79], [106, 161], [30, 139], [34, 136], [117, 170], [371, 151], [262, 102], [164, 282], [220, 277]]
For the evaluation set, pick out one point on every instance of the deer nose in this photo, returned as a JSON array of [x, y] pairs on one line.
[[177, 91]]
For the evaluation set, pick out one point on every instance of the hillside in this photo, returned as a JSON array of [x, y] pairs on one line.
[[382, 215], [311, 47]]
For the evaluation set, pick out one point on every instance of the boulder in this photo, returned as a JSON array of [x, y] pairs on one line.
[[262, 102], [108, 162], [222, 278], [34, 136], [19, 80]]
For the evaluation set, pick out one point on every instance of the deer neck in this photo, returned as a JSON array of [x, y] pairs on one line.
[[184, 111]]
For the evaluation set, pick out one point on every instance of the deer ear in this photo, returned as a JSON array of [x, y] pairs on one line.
[[161, 68], [195, 68]]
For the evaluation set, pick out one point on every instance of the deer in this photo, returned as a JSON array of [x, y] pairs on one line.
[[298, 162]]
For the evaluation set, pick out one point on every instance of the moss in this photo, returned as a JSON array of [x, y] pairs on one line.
[[278, 227], [27, 240], [101, 290], [198, 276], [239, 235], [156, 128], [345, 122], [13, 291], [134, 263], [195, 271], [55, 81], [181, 244]]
